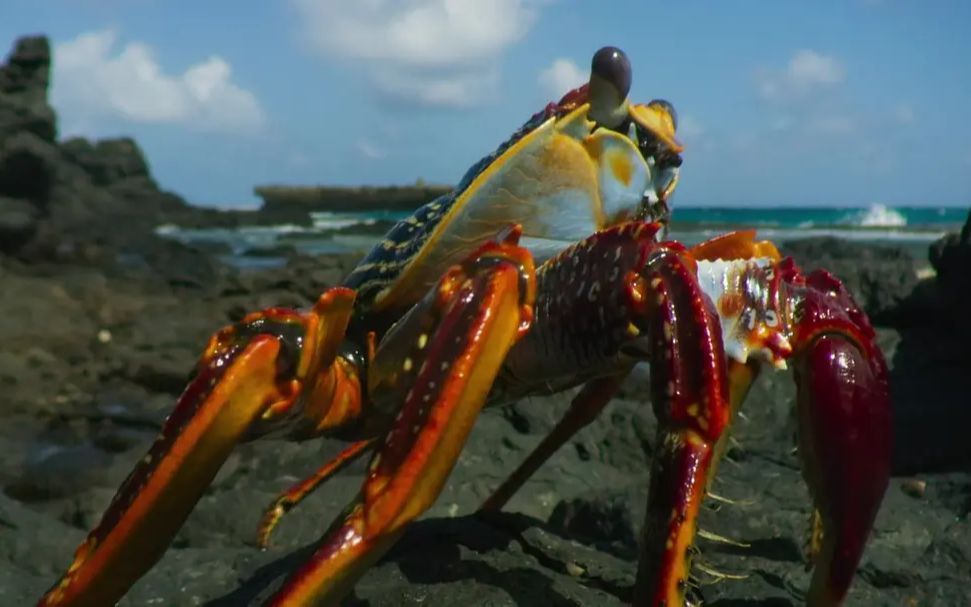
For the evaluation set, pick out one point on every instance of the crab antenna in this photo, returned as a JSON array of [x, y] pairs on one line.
[[610, 78]]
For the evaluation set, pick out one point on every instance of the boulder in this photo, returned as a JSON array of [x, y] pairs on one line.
[[24, 80]]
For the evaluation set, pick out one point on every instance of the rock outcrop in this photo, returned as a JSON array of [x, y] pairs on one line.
[[65, 200]]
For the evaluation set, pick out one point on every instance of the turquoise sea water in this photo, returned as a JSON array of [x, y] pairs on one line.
[[913, 227]]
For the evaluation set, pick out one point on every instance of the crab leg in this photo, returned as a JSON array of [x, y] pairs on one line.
[[690, 393], [250, 372], [438, 363], [294, 495], [582, 323], [741, 375], [584, 408], [845, 431]]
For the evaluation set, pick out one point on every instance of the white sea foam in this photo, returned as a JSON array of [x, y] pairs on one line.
[[880, 216], [326, 221]]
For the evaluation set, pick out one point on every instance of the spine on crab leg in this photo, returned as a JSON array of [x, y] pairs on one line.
[[845, 431], [250, 371], [435, 368], [690, 393]]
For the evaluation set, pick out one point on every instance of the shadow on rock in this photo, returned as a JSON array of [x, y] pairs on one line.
[[437, 556], [930, 381]]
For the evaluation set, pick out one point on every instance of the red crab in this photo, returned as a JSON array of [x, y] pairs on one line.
[[450, 313]]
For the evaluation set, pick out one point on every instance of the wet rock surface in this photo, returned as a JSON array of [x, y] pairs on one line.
[[100, 331]]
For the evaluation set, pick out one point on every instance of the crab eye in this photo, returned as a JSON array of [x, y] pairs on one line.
[[612, 64]]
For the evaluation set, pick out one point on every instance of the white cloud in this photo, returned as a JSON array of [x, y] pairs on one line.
[[561, 76], [455, 90], [94, 82], [431, 52], [806, 71]]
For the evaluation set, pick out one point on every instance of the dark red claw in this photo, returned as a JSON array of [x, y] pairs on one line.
[[845, 427], [845, 443]]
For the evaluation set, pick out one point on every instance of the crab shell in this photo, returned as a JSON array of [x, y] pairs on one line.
[[561, 174]]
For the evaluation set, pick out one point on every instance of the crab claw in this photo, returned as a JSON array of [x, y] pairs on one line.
[[845, 432]]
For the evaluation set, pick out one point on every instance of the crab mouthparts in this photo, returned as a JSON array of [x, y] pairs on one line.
[[653, 208]]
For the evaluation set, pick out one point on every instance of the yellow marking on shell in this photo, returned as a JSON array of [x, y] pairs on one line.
[[655, 283], [422, 340], [632, 330], [693, 409], [668, 331], [703, 423], [621, 167], [407, 365]]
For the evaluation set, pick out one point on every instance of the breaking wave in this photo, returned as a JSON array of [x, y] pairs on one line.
[[879, 216]]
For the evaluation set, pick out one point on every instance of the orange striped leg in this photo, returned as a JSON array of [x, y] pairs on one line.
[[294, 495], [250, 373], [438, 363]]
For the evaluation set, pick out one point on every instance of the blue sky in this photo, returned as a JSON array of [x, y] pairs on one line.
[[781, 103]]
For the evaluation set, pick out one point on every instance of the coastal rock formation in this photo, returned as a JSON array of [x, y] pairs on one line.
[[297, 201], [24, 79], [64, 200]]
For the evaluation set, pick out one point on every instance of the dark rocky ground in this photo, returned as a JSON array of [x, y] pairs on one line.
[[100, 327]]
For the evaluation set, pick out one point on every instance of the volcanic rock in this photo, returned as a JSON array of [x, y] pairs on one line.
[[23, 90]]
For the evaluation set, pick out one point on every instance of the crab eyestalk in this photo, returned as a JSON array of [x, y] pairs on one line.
[[610, 79]]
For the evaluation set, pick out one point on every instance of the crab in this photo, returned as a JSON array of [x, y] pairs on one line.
[[457, 309]]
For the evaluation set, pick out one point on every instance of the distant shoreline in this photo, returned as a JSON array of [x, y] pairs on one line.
[[283, 199]]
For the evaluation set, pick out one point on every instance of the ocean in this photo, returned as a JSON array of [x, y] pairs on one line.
[[911, 227]]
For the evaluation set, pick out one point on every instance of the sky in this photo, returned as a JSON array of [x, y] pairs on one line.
[[828, 103]]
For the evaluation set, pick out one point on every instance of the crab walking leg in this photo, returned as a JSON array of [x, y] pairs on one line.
[[584, 408], [690, 393], [845, 431], [741, 376], [294, 495], [457, 339], [249, 371]]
